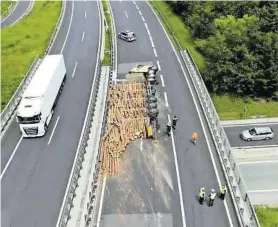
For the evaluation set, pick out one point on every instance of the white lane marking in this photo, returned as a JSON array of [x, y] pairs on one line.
[[148, 32], [257, 162], [162, 81], [262, 191], [137, 7], [71, 16], [141, 144], [199, 115], [25, 12], [140, 13], [134, 2], [250, 124], [178, 176], [155, 53], [143, 19], [50, 138], [126, 14], [151, 41], [166, 99], [83, 35], [85, 15], [101, 202], [11, 11], [146, 25], [258, 146], [158, 65], [73, 73], [84, 125], [11, 157]]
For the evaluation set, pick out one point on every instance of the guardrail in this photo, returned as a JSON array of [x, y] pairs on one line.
[[64, 215], [242, 204], [9, 110]]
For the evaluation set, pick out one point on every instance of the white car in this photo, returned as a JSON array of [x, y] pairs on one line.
[[258, 133]]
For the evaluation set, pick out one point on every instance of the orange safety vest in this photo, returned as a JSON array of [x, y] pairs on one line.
[[194, 136]]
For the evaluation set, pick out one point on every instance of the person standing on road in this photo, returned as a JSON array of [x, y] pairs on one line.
[[202, 195], [194, 137], [223, 192], [174, 122], [168, 128], [212, 196]]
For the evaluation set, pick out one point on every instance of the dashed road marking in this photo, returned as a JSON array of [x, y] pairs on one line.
[[155, 53], [83, 35], [146, 25], [140, 13], [85, 15], [143, 19], [152, 41], [73, 73], [166, 99], [49, 141], [158, 65], [126, 14], [137, 7], [148, 32], [162, 81]]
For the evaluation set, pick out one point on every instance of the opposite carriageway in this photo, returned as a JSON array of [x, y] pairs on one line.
[[34, 183]]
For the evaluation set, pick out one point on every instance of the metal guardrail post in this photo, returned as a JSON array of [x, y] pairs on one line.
[[235, 180], [10, 108]]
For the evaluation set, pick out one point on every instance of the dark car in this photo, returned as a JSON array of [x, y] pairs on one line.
[[127, 36]]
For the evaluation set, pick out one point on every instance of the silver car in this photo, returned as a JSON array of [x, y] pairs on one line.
[[258, 133]]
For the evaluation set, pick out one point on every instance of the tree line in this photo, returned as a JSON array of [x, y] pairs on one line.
[[240, 43]]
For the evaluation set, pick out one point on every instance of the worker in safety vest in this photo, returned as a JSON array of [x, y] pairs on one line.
[[223, 192], [202, 195], [212, 196], [194, 137], [174, 122], [168, 128]]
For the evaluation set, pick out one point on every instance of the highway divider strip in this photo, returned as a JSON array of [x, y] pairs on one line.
[[244, 208], [8, 112]]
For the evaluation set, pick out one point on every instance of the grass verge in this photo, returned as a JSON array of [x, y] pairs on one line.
[[6, 7], [22, 42], [228, 107], [108, 33], [268, 217], [180, 30]]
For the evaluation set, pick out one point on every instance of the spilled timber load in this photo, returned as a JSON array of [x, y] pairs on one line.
[[127, 119]]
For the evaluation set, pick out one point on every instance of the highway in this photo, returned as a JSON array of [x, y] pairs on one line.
[[17, 13], [259, 167], [233, 132], [158, 186], [35, 172]]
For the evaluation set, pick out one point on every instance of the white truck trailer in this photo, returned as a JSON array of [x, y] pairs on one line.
[[41, 96]]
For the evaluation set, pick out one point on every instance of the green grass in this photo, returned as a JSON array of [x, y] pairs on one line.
[[268, 217], [107, 56], [180, 30], [22, 42], [6, 6], [230, 108]]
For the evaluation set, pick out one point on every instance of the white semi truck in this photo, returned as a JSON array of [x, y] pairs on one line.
[[41, 96]]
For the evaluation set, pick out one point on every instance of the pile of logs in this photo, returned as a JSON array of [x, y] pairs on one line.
[[127, 118]]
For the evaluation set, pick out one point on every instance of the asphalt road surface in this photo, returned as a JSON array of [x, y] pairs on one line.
[[17, 13], [259, 168], [34, 183], [233, 132], [146, 192]]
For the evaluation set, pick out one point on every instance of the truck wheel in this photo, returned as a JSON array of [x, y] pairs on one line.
[[45, 127]]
